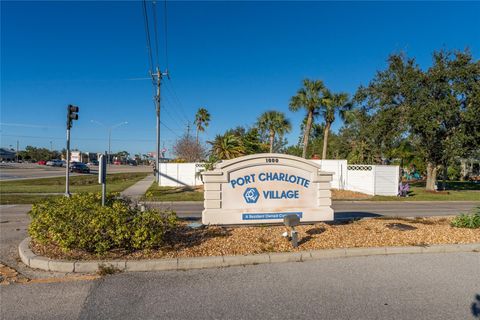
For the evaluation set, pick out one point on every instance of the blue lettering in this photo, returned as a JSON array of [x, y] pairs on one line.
[[240, 181], [276, 194]]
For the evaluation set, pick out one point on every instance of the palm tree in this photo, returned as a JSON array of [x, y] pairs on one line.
[[202, 118], [227, 146], [308, 98], [274, 123], [331, 103]]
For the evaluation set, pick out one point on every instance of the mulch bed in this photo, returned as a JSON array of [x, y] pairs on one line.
[[216, 241], [9, 275]]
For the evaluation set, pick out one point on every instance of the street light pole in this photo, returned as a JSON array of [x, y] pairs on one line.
[[109, 144], [109, 135]]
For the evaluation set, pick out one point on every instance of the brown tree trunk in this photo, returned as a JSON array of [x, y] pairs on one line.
[[272, 139], [306, 134], [431, 176], [196, 138], [325, 140]]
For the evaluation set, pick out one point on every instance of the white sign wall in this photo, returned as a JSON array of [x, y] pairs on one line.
[[263, 188]]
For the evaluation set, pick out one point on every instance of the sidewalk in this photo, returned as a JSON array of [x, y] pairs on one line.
[[136, 191]]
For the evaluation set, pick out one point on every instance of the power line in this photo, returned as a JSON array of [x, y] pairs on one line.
[[155, 27], [26, 125], [169, 129], [172, 91], [167, 111], [85, 139], [166, 127], [165, 32], [147, 34], [174, 106]]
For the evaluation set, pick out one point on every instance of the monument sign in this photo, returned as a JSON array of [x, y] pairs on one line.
[[263, 188]]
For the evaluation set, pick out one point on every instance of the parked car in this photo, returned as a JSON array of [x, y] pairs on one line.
[[132, 162], [117, 163], [93, 163], [55, 163], [42, 162], [79, 167]]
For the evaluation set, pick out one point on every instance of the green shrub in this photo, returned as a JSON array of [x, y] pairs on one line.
[[80, 222], [468, 220], [454, 172]]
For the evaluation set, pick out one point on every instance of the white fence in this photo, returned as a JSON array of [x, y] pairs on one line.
[[369, 179], [339, 167], [361, 178], [386, 180], [180, 174]]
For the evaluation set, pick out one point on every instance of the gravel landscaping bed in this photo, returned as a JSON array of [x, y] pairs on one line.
[[217, 241]]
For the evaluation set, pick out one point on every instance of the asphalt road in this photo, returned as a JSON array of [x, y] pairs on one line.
[[351, 209], [20, 171], [422, 286]]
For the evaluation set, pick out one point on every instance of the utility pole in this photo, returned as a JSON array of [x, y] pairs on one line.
[[188, 128], [157, 78]]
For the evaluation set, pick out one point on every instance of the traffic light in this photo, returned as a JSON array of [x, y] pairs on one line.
[[72, 114]]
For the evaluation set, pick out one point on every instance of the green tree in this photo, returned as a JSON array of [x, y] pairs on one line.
[[273, 123], [332, 103], [227, 146], [250, 138], [437, 108], [36, 154], [308, 98], [202, 119]]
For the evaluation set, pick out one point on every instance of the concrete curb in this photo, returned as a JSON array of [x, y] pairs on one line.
[[39, 262]]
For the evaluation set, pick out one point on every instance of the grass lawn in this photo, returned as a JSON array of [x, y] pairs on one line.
[[454, 191], [156, 193], [85, 183]]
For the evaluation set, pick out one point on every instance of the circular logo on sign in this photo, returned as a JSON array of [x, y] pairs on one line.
[[251, 195]]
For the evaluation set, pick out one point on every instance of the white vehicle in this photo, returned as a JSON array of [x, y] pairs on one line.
[[55, 163]]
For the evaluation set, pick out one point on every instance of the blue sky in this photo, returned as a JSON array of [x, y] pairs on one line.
[[237, 59]]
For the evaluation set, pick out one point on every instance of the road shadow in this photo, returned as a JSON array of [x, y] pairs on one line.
[[173, 179], [476, 306], [354, 215], [177, 190], [185, 237]]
